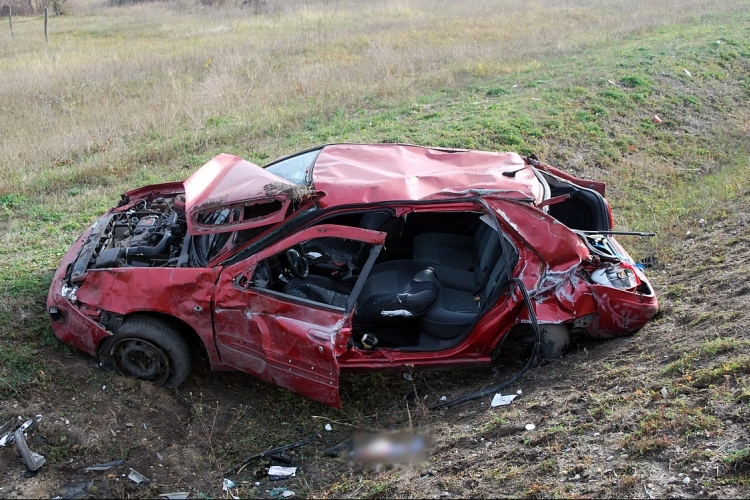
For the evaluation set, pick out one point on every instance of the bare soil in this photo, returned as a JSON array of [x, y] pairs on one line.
[[602, 425]]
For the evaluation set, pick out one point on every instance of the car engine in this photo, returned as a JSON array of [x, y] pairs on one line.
[[150, 234]]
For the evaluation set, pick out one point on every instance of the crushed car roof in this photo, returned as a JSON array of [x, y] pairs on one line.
[[371, 173]]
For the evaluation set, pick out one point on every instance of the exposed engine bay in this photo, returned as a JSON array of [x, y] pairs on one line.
[[149, 234]]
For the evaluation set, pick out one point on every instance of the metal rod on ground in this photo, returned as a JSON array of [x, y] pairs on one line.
[[10, 18], [262, 454], [45, 25]]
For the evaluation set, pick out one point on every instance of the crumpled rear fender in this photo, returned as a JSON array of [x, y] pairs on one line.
[[553, 242]]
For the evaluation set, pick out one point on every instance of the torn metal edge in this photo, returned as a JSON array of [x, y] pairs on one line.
[[105, 466], [33, 460]]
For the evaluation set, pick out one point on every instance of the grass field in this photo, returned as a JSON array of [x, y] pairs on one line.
[[125, 96]]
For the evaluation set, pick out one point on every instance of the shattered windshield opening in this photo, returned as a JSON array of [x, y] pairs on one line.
[[296, 169], [205, 246]]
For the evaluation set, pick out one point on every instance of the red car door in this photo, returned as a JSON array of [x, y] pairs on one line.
[[289, 340]]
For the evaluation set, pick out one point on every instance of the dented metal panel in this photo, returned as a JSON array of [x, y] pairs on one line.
[[227, 180], [356, 173], [291, 343], [553, 242], [150, 257]]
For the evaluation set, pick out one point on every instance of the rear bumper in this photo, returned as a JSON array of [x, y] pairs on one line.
[[622, 312]]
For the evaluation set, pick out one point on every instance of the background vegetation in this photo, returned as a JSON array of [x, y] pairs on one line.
[[126, 95]]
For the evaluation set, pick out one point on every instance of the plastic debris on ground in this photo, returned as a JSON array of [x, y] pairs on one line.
[[33, 460], [663, 392], [282, 472], [530, 427], [6, 431], [273, 452], [104, 466], [408, 376], [500, 400], [178, 495], [227, 485], [280, 492], [137, 477], [328, 427]]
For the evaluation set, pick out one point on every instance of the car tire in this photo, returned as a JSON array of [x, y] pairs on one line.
[[151, 350]]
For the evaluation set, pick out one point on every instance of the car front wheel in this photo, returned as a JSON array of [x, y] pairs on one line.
[[150, 350]]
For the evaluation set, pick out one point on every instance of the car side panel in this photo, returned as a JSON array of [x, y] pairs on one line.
[[475, 349], [288, 341], [183, 293], [277, 340]]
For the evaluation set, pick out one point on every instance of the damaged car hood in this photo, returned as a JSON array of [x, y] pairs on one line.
[[244, 194]]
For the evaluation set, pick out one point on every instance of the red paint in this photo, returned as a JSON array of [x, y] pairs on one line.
[[302, 345], [353, 173]]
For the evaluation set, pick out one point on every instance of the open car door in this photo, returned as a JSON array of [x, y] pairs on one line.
[[285, 319]]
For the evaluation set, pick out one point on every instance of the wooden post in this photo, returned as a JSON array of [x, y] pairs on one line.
[[45, 25], [10, 18]]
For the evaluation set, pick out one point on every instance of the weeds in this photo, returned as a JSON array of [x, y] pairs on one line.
[[216, 430], [275, 77], [738, 460]]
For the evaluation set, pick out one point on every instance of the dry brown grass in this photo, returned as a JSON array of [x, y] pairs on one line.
[[111, 80]]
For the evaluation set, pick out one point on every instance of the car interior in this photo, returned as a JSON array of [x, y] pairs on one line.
[[584, 209], [436, 274]]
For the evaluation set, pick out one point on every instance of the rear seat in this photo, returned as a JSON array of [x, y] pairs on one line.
[[460, 262], [451, 250], [467, 269]]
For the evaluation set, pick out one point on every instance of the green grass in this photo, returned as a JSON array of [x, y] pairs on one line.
[[738, 459], [586, 105]]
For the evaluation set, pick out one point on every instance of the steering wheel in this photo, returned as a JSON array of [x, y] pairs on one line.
[[296, 262]]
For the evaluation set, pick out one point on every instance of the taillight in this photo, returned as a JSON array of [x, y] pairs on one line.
[[611, 217], [620, 275]]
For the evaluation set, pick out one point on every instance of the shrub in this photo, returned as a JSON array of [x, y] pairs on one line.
[[22, 7]]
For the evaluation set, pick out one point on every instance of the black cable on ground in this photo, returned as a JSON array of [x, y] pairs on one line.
[[490, 390]]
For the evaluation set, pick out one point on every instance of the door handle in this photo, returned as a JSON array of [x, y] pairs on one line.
[[319, 335]]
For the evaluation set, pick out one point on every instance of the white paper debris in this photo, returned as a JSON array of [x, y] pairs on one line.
[[500, 400], [328, 427], [530, 427], [278, 471], [663, 392]]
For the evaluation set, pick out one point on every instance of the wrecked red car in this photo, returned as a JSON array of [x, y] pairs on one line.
[[347, 257]]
